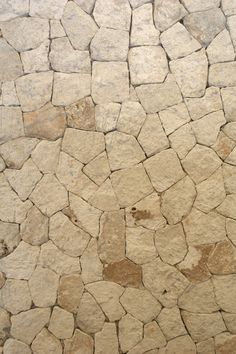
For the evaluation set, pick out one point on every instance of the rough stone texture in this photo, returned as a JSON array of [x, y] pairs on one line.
[[45, 341], [106, 340], [50, 9], [10, 237], [80, 343], [224, 296], [182, 140], [229, 103], [9, 97], [131, 118], [98, 169], [11, 9], [106, 116], [105, 198], [91, 264], [11, 67], [223, 146], [11, 123], [140, 245], [130, 332], [167, 13], [81, 114], [174, 117], [221, 48], [220, 79], [179, 344], [125, 273], [50, 151], [13, 346], [16, 296], [171, 323], [61, 323], [36, 59]]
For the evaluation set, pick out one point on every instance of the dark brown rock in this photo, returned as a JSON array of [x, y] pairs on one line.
[[125, 273], [81, 114]]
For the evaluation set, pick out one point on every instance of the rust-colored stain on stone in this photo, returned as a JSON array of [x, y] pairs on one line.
[[125, 273]]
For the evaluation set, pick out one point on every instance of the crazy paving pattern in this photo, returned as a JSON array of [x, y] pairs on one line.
[[118, 177]]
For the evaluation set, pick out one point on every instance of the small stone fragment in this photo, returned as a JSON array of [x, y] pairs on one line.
[[221, 48], [80, 343], [130, 332], [44, 342], [70, 291], [108, 13], [98, 169], [131, 118], [13, 346], [56, 29], [10, 63], [11, 124], [61, 323], [50, 151], [222, 74], [171, 323], [167, 13], [36, 59], [222, 259], [174, 117], [106, 116], [81, 114], [91, 265], [182, 140], [140, 246], [15, 296], [125, 272], [229, 7], [106, 341]]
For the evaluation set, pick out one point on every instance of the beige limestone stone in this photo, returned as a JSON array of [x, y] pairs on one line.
[[228, 206], [86, 5], [201, 5], [125, 273], [152, 137], [106, 116], [13, 346], [231, 23], [26, 325], [2, 164], [9, 96], [115, 82], [108, 13], [229, 103], [16, 296], [146, 213], [222, 74], [130, 332], [164, 169], [200, 163], [11, 123], [225, 343], [191, 73], [105, 198], [90, 317], [180, 344], [222, 259], [231, 230], [45, 341], [34, 229], [156, 97], [50, 151], [80, 343], [61, 323], [107, 294], [170, 243], [171, 323], [43, 195], [182, 140], [230, 130], [229, 319], [221, 48], [138, 3], [70, 291], [50, 9], [140, 246], [36, 60], [12, 9], [229, 7], [9, 237], [81, 114], [21, 262], [5, 324], [131, 118], [56, 29], [204, 228], [210, 102], [106, 341], [98, 169], [143, 31], [165, 282], [174, 117], [224, 286], [206, 347], [177, 201], [43, 285], [79, 26], [51, 257], [91, 264], [229, 173], [223, 145], [167, 13], [10, 63]]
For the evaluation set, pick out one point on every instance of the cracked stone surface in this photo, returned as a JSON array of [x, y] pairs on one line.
[[117, 176]]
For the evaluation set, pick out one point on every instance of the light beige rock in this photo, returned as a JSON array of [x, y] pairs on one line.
[[131, 118], [86, 5], [79, 26], [146, 213], [70, 87], [13, 346], [108, 13], [106, 116], [80, 343], [223, 145], [11, 123], [205, 25], [9, 97], [91, 264], [178, 42], [152, 137], [48, 122], [98, 169], [5, 324], [230, 130], [10, 237], [45, 341], [229, 103], [211, 192], [200, 163], [43, 195], [201, 5], [147, 64], [204, 228], [16, 296], [70, 291], [224, 286], [164, 169], [131, 185], [229, 173], [115, 82], [156, 97], [107, 295], [24, 180], [51, 257], [221, 48], [106, 341], [90, 317], [174, 117], [140, 246], [143, 31], [165, 282], [191, 73], [230, 229], [10, 63], [34, 90], [56, 29], [229, 319], [171, 323], [11, 9], [50, 151], [203, 326], [228, 207], [2, 164], [81, 114], [50, 9], [180, 344], [231, 24], [111, 242], [61, 323], [130, 332], [36, 60], [43, 285], [170, 243], [229, 7], [123, 150], [65, 59], [182, 140], [225, 342], [110, 45], [167, 13], [220, 79], [26, 325], [222, 260], [206, 347], [105, 198]]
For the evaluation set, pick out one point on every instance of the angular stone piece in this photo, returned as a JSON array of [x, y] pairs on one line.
[[167, 13], [222, 74], [174, 117], [147, 64], [11, 124], [5, 324], [230, 130], [50, 151], [182, 140], [13, 346], [130, 332], [191, 73], [70, 291], [86, 5], [9, 237], [9, 96], [229, 7], [108, 13], [224, 286], [180, 344], [225, 342], [140, 246], [10, 63], [229, 173], [145, 308], [200, 163], [222, 259], [34, 90], [79, 26], [131, 118], [91, 265], [106, 340], [105, 198], [206, 347], [229, 319], [44, 195], [231, 24], [106, 116], [12, 9], [229, 103], [80, 343], [228, 207], [56, 29], [16, 296], [205, 25], [223, 145], [170, 243], [49, 9], [200, 5], [171, 323], [164, 169], [221, 48], [114, 79], [231, 230], [45, 341], [61, 323], [81, 114], [125, 272], [131, 185], [36, 59], [26, 325], [98, 169]]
